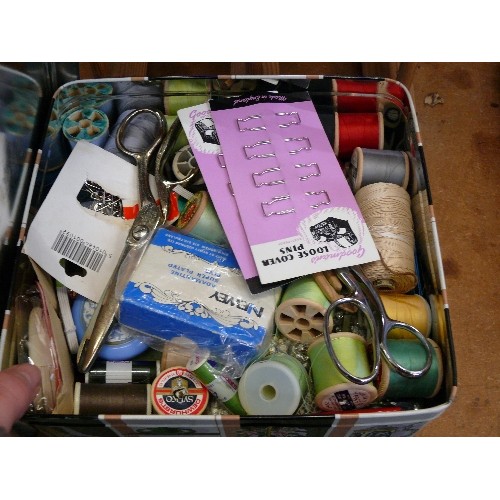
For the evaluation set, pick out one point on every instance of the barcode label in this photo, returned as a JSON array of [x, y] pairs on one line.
[[79, 251]]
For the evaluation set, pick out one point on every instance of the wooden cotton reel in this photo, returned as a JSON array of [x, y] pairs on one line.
[[301, 312], [387, 212], [369, 166]]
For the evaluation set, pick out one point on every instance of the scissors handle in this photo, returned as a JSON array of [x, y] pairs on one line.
[[390, 324], [142, 157]]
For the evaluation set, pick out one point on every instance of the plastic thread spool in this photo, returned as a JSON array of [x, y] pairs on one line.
[[184, 93], [183, 165], [369, 166], [412, 309], [119, 344], [221, 387], [199, 219], [411, 355], [301, 311], [274, 386], [117, 399], [333, 390], [135, 95], [176, 391], [123, 372], [86, 124]]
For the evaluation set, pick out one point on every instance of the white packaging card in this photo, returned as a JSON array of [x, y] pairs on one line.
[[77, 245]]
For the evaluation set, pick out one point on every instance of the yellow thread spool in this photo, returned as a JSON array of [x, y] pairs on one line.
[[411, 309], [333, 391]]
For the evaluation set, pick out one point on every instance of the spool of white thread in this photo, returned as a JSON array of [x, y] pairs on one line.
[[274, 386]]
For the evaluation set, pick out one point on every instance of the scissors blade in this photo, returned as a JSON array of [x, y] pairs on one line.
[[138, 239]]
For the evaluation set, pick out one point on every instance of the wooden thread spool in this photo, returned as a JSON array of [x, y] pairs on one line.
[[184, 93], [333, 390], [410, 354], [353, 130], [369, 166], [301, 311], [199, 219], [116, 399], [411, 309], [386, 210], [356, 103]]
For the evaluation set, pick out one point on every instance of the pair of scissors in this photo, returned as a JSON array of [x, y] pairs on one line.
[[363, 296], [151, 216]]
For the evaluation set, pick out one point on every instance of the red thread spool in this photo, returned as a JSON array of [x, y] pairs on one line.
[[354, 130], [356, 103]]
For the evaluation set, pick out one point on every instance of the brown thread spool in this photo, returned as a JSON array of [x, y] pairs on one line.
[[387, 213], [116, 399]]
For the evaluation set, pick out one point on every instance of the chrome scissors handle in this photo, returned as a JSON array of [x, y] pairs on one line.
[[359, 300], [365, 297], [149, 218]]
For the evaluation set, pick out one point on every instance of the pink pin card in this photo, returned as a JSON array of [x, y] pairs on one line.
[[202, 136], [296, 207]]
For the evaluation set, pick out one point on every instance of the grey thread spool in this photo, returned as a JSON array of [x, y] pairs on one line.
[[135, 95], [140, 133], [369, 166]]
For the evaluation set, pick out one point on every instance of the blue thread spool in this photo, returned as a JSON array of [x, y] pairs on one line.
[[120, 345]]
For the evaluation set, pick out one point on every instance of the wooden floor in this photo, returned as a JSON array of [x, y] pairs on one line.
[[461, 142], [461, 139]]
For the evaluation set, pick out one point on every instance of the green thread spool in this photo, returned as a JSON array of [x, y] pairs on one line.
[[222, 388], [301, 312], [199, 219], [411, 309], [184, 93], [182, 139], [274, 386], [411, 355], [333, 390]]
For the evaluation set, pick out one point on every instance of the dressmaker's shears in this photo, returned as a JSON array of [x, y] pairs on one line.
[[151, 216], [364, 297]]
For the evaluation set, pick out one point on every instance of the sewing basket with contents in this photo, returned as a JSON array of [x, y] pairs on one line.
[[233, 256]]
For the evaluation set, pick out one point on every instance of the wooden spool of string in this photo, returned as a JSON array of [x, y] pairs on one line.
[[387, 213]]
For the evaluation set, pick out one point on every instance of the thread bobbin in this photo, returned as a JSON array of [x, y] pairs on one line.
[[118, 399], [300, 314], [333, 391], [386, 210], [369, 166], [199, 219], [273, 386], [411, 355], [412, 309], [349, 124]]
